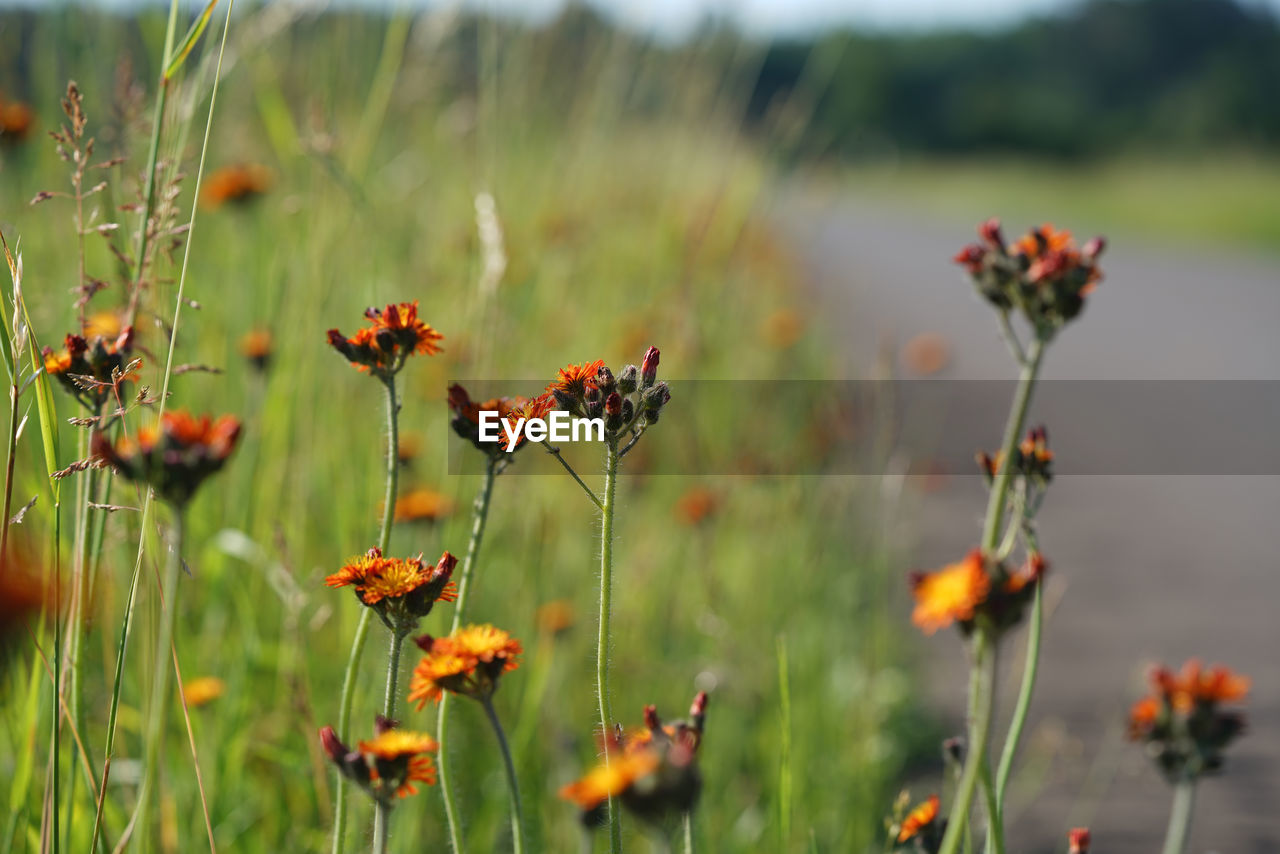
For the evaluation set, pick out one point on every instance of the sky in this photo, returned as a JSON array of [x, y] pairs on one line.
[[675, 18]]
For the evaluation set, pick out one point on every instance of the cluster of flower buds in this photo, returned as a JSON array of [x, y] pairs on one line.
[[974, 589], [653, 771], [1032, 459], [468, 662], [400, 591], [394, 334], [628, 402], [465, 417], [92, 370], [1043, 274], [174, 457], [1182, 722], [387, 766], [921, 829]]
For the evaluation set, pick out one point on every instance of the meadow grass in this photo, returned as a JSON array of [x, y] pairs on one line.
[[634, 211], [1217, 199]]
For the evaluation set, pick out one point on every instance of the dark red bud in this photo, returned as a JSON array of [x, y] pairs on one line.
[[1079, 839], [1094, 247], [613, 404], [990, 232], [382, 723], [651, 718], [649, 367], [333, 746], [971, 258], [698, 710], [425, 642], [444, 566]]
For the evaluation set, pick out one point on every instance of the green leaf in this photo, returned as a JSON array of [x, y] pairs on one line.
[[189, 42]]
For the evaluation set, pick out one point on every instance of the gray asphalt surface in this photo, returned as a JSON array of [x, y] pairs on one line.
[[1144, 568]]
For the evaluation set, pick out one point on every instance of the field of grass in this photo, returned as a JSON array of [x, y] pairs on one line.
[[632, 211], [1216, 199]]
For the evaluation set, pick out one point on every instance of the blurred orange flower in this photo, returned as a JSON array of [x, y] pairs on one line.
[[918, 819], [468, 662], [238, 182], [608, 780], [256, 347], [202, 690], [422, 505], [16, 120], [175, 456], [950, 594], [696, 506]]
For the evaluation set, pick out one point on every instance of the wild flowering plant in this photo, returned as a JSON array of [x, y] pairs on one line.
[[629, 403], [400, 592], [1043, 280]]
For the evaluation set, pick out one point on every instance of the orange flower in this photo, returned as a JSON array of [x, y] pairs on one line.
[[1078, 840], [413, 585], [918, 819], [555, 616], [256, 347], [238, 182], [1143, 716], [468, 662], [421, 770], [395, 743], [202, 690], [175, 456], [422, 505], [1043, 240], [88, 368], [574, 380], [951, 594], [394, 334], [466, 415], [104, 324], [696, 506], [24, 594], [608, 780], [16, 120], [1194, 685], [783, 328]]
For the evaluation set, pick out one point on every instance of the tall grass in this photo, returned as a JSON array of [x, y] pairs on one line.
[[634, 211]]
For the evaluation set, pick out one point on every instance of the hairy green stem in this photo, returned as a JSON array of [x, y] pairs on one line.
[[981, 700], [602, 643], [479, 521], [1179, 832], [159, 712], [1029, 672], [995, 830], [382, 815], [362, 628], [513, 784], [982, 676]]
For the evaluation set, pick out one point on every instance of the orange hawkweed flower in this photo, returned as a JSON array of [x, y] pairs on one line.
[[422, 505], [90, 368], [465, 414], [387, 765], [1181, 721], [952, 594], [923, 816], [239, 182], [256, 346], [202, 690], [16, 120], [574, 380], [610, 780], [175, 456], [468, 662], [394, 334], [1078, 840], [696, 506], [402, 590], [555, 616]]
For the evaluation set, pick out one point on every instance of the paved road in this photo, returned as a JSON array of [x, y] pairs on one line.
[[1156, 567]]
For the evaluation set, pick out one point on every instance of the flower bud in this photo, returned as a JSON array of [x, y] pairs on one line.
[[594, 402], [655, 398], [628, 410], [1093, 248], [382, 723], [628, 379], [989, 231], [425, 642], [649, 367], [971, 258], [333, 745], [1079, 840], [613, 404], [604, 380]]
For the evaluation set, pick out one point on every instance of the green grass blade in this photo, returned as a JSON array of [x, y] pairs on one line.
[[189, 41]]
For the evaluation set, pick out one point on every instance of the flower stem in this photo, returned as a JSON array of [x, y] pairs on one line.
[[688, 832], [382, 815], [513, 784], [362, 628], [1019, 721], [1184, 799], [982, 674], [154, 745], [602, 644], [479, 520]]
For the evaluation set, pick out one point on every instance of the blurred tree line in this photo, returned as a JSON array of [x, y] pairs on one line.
[[1109, 75]]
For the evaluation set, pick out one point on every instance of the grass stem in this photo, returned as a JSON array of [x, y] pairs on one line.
[[1179, 832]]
